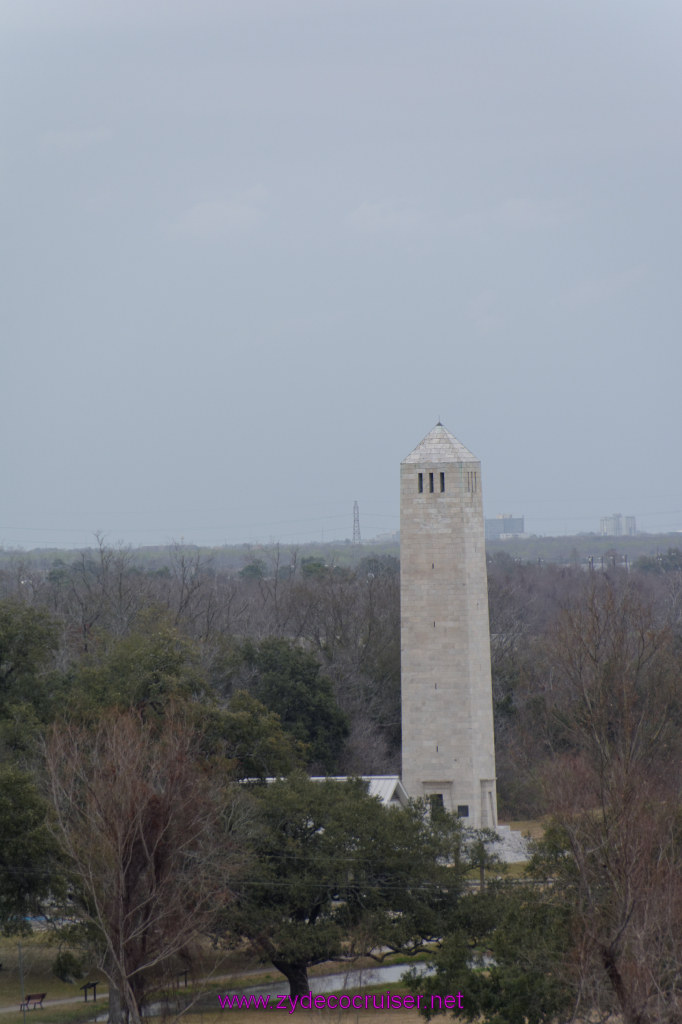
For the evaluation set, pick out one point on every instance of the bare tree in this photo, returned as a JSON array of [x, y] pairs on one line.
[[614, 785], [150, 840]]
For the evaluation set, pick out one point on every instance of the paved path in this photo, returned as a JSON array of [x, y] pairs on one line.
[[102, 999], [14, 1008], [103, 995]]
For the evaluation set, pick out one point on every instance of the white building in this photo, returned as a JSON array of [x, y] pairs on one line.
[[447, 717]]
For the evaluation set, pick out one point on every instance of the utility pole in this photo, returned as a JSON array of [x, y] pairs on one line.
[[21, 977], [356, 524]]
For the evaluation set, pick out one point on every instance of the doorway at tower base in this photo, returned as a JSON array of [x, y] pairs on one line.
[[478, 813]]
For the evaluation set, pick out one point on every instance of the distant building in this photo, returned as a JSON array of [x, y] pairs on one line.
[[617, 526], [503, 526]]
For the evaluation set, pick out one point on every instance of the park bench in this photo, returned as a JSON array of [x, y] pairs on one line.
[[33, 1000]]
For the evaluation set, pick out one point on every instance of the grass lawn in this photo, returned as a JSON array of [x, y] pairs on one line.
[[535, 827], [269, 1016], [356, 1016], [76, 1014], [219, 971], [38, 955]]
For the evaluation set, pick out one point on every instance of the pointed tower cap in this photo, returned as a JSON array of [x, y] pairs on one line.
[[440, 445]]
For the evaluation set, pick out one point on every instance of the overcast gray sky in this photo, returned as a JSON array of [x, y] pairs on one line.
[[252, 250]]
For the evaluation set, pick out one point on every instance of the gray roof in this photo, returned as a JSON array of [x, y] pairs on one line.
[[388, 788], [439, 446]]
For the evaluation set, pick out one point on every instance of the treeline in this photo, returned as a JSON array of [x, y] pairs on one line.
[[585, 548], [272, 627], [568, 550], [530, 607], [142, 710], [315, 644], [136, 735]]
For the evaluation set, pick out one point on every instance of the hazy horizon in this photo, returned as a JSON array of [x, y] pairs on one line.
[[252, 251]]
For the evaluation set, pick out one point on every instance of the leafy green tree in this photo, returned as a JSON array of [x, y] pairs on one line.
[[504, 955], [67, 967], [28, 681], [28, 854], [671, 561], [255, 570], [287, 680], [481, 852], [28, 641], [147, 670], [251, 737], [315, 567], [336, 875]]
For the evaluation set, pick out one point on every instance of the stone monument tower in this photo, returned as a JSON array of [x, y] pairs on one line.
[[447, 715]]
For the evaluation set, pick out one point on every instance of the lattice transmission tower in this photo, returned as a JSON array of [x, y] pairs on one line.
[[356, 523]]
